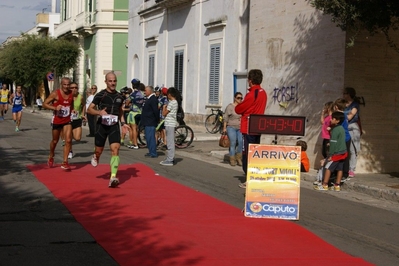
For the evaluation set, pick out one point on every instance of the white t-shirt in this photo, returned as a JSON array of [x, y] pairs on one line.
[[88, 101], [170, 119]]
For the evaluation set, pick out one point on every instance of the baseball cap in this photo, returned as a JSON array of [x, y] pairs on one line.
[[164, 90], [135, 83]]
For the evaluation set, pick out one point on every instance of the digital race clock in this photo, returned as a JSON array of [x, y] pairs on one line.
[[276, 125]]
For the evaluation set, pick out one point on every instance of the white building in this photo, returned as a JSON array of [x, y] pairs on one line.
[[205, 48], [199, 47], [100, 28]]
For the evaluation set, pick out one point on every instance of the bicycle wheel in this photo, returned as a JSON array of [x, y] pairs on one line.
[[184, 136], [212, 123], [141, 135]]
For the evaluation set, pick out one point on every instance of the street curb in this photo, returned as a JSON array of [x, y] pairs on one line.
[[376, 192], [373, 191], [356, 186]]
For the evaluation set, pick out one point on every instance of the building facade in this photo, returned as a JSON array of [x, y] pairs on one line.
[[199, 47], [205, 48], [100, 27], [305, 62]]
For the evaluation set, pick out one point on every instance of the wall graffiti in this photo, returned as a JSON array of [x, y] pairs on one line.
[[285, 94]]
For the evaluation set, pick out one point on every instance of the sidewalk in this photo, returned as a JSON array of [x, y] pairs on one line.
[[381, 186]]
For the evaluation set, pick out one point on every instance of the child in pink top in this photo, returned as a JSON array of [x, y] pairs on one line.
[[325, 128]]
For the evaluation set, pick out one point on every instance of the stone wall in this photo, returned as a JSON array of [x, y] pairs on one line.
[[372, 68], [301, 54], [305, 62]]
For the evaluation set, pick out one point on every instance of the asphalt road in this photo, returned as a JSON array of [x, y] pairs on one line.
[[36, 229]]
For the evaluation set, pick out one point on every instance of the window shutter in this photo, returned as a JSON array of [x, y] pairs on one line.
[[179, 56], [214, 74], [151, 69]]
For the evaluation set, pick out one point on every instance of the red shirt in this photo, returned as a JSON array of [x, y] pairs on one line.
[[63, 116], [250, 105]]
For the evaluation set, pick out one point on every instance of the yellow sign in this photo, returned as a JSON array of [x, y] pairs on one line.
[[273, 182]]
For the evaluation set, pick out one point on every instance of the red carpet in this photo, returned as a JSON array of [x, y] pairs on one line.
[[150, 220]]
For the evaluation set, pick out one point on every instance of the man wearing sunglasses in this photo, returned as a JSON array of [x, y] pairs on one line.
[[254, 103]]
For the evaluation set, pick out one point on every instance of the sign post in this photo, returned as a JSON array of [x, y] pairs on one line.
[[273, 176], [273, 182]]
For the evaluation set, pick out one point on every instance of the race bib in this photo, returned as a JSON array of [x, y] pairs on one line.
[[64, 111], [109, 120], [74, 116]]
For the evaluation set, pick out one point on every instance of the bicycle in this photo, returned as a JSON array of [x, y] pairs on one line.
[[184, 135], [214, 121]]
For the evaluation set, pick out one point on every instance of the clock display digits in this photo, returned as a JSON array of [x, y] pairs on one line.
[[262, 124], [280, 124], [277, 125], [298, 126], [291, 124], [272, 123]]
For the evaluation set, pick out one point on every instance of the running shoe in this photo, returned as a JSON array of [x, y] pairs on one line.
[[1, 118], [70, 155], [94, 161], [134, 147], [321, 187], [16, 129], [166, 163], [317, 182], [351, 174], [50, 162], [65, 166], [113, 182]]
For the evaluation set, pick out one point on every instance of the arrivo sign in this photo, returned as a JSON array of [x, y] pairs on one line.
[[276, 125]]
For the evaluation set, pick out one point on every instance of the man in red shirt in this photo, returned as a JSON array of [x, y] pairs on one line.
[[61, 102], [253, 103]]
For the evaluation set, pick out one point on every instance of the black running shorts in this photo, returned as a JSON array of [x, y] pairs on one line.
[[113, 134]]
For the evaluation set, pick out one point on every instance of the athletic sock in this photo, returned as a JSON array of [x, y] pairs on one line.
[[114, 165]]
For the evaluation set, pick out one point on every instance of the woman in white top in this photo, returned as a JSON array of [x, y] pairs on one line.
[[232, 122]]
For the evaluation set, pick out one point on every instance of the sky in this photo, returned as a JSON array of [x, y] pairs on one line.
[[20, 15]]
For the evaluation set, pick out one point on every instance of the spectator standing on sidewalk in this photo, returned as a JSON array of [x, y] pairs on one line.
[[231, 125], [135, 101], [61, 102], [340, 105], [150, 120], [39, 103], [325, 120], [352, 111], [169, 111], [338, 153], [254, 103], [109, 103], [91, 119]]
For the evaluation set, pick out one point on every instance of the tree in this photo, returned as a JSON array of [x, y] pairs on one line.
[[28, 60], [355, 15]]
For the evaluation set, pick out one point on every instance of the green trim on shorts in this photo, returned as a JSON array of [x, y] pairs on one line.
[[159, 125], [130, 117]]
